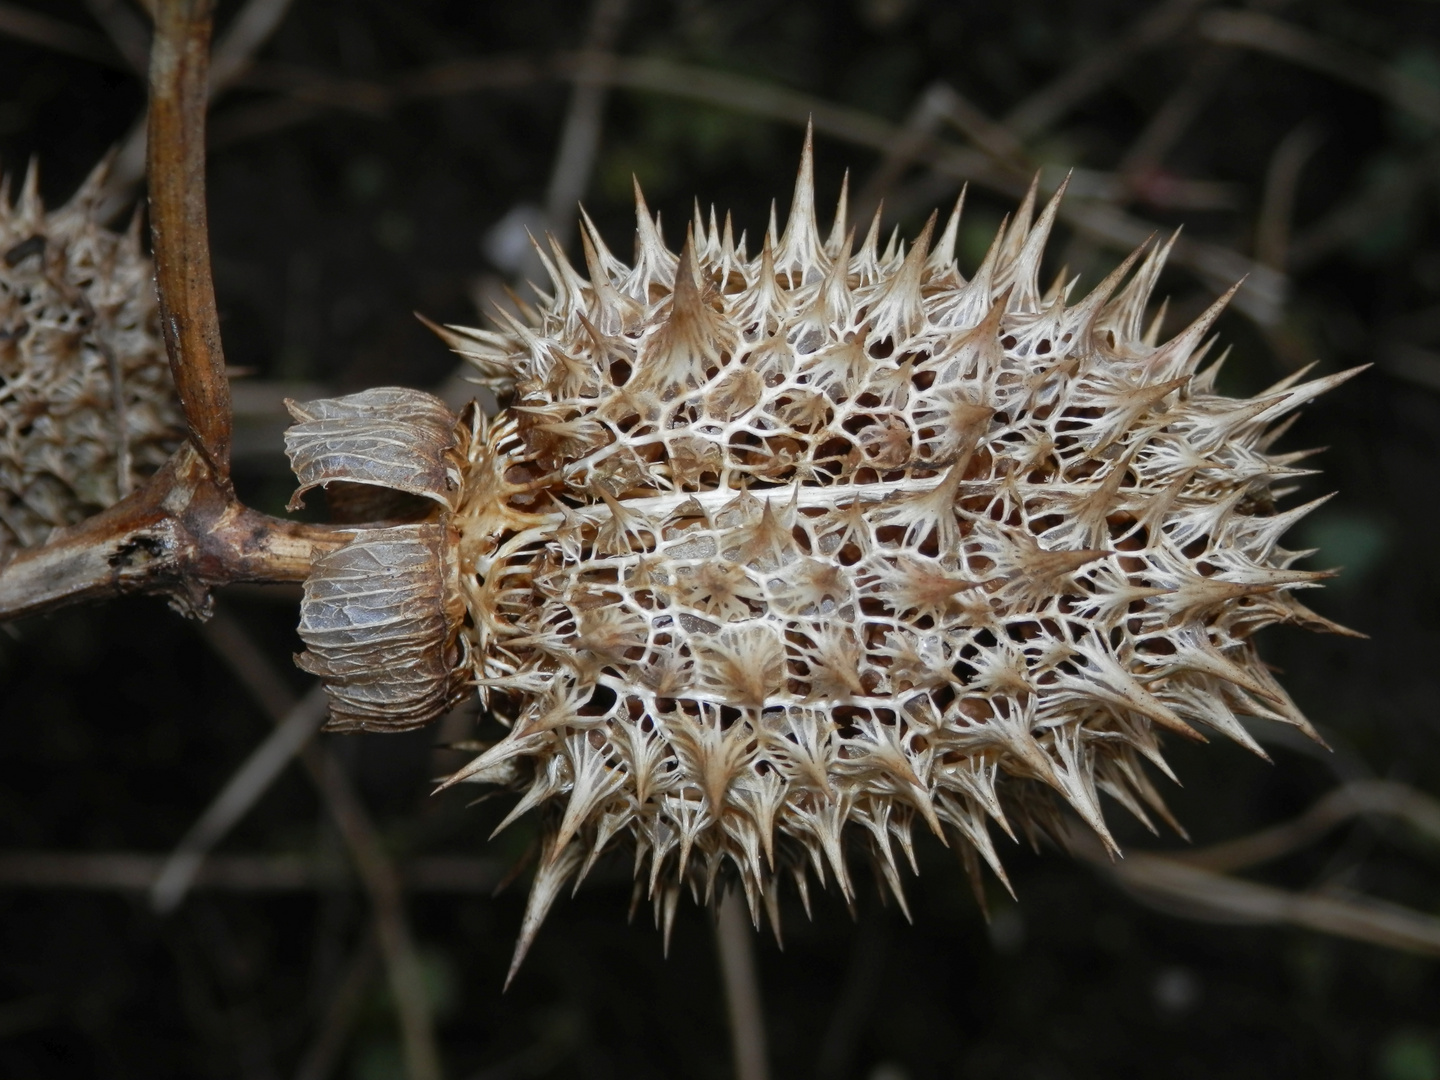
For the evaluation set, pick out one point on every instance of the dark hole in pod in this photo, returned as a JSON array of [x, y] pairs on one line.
[[34, 245], [1009, 341], [359, 504], [619, 373], [1046, 522], [602, 700], [728, 715], [742, 447], [923, 380], [882, 348], [1129, 534], [1042, 348]]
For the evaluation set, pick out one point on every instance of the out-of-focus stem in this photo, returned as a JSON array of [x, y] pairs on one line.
[[735, 942]]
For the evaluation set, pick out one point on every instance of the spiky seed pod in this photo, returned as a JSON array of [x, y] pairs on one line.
[[87, 408], [772, 556]]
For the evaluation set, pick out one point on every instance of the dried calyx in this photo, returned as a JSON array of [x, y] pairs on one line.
[[87, 408], [772, 556]]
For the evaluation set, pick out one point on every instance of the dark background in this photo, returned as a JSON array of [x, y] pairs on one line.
[[330, 226]]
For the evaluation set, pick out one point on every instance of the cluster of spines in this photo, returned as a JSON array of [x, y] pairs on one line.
[[1013, 540]]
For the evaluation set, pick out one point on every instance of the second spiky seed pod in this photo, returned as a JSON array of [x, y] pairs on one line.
[[87, 408]]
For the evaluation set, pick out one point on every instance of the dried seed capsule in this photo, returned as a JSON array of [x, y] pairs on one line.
[[773, 556], [87, 409]]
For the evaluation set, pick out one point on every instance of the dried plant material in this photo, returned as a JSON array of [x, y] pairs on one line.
[[388, 437], [87, 408], [381, 615], [1179, 888], [380, 619], [772, 557]]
